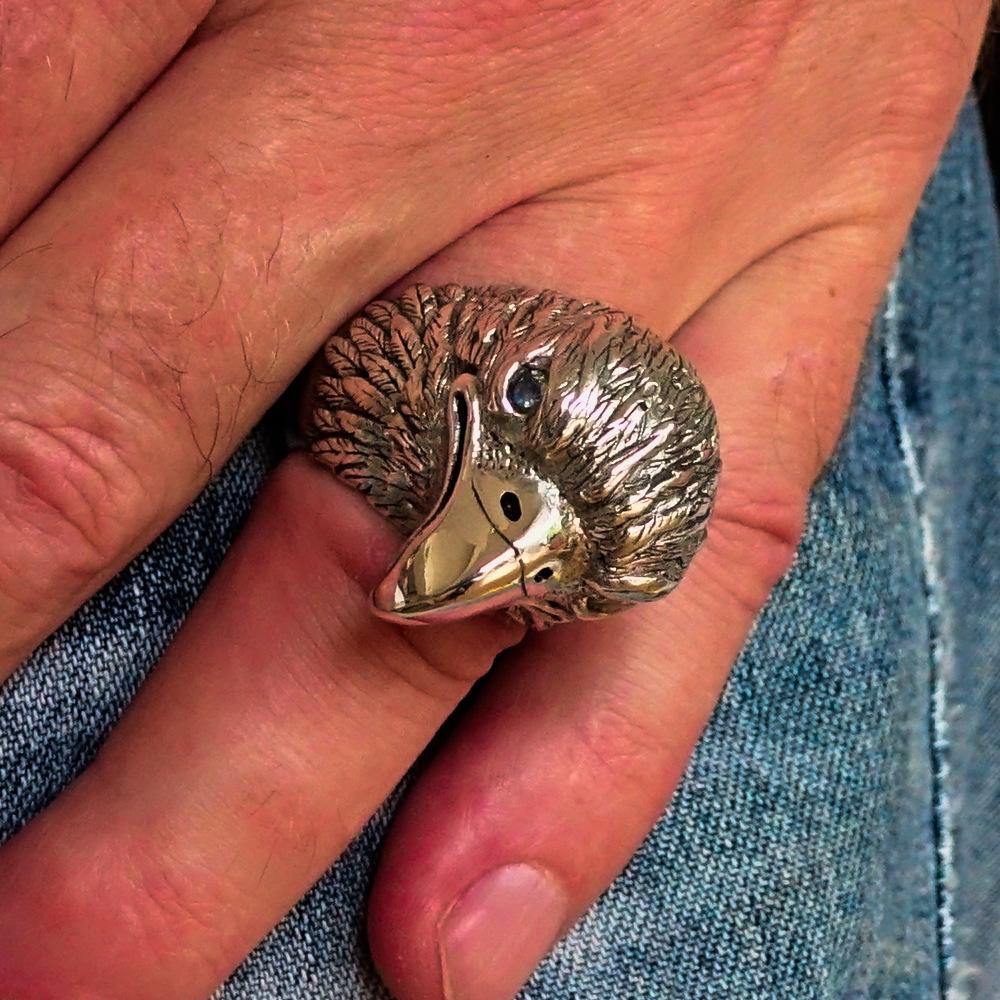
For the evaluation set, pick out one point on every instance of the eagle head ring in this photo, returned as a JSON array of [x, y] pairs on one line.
[[542, 454]]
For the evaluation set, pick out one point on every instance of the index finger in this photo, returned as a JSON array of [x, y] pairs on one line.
[[163, 296]]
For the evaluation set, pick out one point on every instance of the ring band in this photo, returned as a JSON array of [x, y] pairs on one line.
[[543, 454]]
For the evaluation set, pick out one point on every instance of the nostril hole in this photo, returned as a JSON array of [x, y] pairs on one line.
[[543, 574], [511, 506]]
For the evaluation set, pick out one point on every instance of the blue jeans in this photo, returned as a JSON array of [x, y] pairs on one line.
[[838, 830]]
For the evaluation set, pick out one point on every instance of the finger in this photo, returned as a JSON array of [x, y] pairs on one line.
[[574, 745], [211, 912], [67, 70], [159, 300], [277, 722], [262, 742], [166, 292]]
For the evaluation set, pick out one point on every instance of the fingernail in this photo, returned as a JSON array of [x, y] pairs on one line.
[[498, 930]]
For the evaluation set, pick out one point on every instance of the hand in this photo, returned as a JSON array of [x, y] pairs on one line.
[[738, 173]]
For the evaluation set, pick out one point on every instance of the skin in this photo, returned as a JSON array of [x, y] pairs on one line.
[[738, 173]]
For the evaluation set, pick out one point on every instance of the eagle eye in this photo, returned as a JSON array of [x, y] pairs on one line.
[[525, 389]]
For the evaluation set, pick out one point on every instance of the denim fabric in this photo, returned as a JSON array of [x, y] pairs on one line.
[[838, 831]]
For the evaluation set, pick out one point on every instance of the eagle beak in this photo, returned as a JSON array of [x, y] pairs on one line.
[[494, 538]]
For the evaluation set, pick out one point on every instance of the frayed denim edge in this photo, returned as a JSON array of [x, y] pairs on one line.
[[895, 360]]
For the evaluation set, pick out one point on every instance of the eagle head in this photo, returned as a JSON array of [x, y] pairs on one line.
[[545, 454]]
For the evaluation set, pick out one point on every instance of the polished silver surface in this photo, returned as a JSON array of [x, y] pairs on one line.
[[543, 454]]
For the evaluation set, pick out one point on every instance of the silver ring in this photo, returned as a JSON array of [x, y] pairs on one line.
[[542, 454]]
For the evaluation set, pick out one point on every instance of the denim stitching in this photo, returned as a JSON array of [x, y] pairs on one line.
[[898, 360]]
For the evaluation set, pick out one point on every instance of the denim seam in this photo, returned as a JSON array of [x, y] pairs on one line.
[[907, 428]]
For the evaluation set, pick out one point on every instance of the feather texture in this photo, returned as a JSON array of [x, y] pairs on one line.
[[625, 430]]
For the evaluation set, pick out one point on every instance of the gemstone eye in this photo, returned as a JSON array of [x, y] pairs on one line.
[[525, 389]]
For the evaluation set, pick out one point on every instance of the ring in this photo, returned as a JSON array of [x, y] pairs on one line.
[[543, 454]]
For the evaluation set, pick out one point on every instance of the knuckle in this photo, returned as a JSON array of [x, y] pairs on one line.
[[68, 476], [914, 113], [620, 739], [171, 909], [747, 41], [166, 905], [752, 540], [912, 99]]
